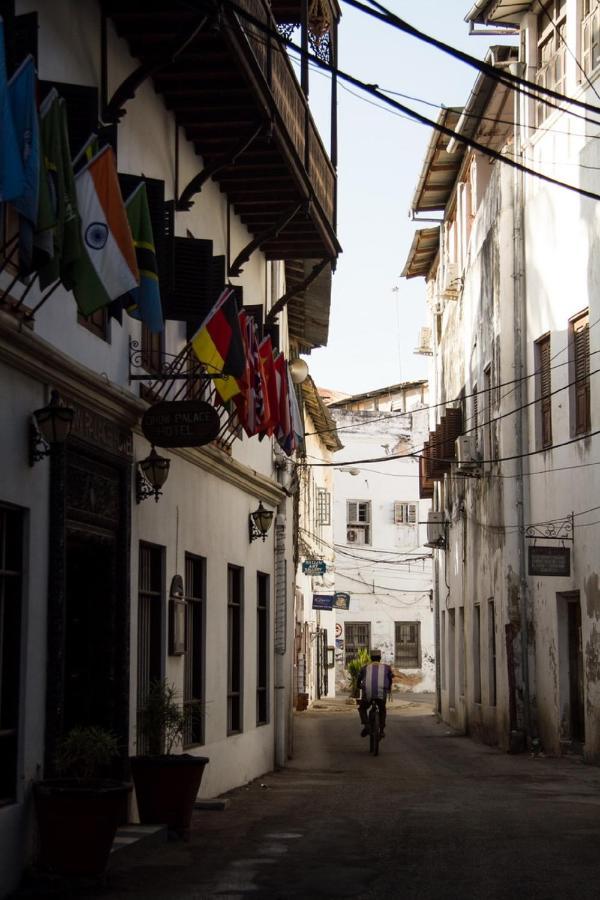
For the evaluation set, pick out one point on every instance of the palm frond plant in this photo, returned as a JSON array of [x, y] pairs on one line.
[[358, 662]]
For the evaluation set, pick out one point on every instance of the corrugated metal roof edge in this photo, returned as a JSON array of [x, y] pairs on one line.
[[390, 389], [319, 413]]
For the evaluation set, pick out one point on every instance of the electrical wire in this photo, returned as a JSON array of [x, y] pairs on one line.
[[436, 126]]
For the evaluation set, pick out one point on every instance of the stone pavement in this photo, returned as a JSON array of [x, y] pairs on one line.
[[436, 815]]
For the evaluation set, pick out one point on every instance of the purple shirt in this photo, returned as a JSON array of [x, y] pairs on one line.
[[375, 681]]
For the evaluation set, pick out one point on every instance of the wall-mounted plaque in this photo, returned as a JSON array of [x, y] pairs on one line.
[[550, 561]]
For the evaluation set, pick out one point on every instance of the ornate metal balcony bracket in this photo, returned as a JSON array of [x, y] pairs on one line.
[[172, 372], [114, 109], [184, 203], [559, 530], [297, 289], [236, 268]]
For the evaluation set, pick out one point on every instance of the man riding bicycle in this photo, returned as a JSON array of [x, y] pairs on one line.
[[375, 683]]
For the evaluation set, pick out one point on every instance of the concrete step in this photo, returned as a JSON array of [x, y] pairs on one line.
[[130, 839]]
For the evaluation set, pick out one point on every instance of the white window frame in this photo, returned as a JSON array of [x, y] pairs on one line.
[[358, 521], [405, 513]]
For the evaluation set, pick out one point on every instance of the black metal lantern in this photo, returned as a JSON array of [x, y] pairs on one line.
[[50, 425], [151, 475], [259, 523]]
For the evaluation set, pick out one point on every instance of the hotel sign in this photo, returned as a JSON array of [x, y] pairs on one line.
[[180, 423]]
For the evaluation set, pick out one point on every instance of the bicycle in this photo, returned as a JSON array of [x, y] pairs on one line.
[[374, 719]]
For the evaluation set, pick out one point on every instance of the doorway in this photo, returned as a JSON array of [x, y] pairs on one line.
[[572, 689], [90, 631]]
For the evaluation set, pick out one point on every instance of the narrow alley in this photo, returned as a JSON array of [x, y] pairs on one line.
[[436, 815]]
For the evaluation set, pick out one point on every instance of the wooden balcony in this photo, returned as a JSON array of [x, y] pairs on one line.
[[234, 91]]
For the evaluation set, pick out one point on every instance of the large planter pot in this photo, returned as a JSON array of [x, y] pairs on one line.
[[77, 823], [166, 788]]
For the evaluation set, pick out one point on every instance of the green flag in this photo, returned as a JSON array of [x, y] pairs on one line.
[[58, 171]]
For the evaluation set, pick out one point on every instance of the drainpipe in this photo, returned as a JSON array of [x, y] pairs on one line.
[[281, 713], [521, 424]]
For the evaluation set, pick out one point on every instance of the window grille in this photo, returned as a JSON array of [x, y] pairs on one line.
[[323, 507], [11, 579], [405, 513], [195, 648], [150, 605], [235, 639], [262, 648], [407, 653], [357, 636]]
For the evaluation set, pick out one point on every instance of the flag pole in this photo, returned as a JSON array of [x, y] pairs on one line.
[[43, 300], [26, 291], [8, 243], [7, 259]]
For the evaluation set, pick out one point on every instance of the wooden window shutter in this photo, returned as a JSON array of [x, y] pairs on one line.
[[82, 110], [256, 311], [189, 299], [412, 513], [272, 331], [581, 341], [352, 511], [545, 389], [398, 513], [475, 407]]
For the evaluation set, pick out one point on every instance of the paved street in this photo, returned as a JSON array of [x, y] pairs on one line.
[[434, 816]]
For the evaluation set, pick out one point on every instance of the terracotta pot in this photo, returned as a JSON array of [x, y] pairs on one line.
[[77, 823], [166, 788]]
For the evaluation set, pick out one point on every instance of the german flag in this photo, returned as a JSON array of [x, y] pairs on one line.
[[219, 346]]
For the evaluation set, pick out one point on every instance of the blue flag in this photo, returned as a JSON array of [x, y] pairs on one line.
[[21, 90], [12, 177], [144, 301]]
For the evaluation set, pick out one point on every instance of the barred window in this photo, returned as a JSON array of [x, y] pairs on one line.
[[357, 636], [408, 645], [323, 507]]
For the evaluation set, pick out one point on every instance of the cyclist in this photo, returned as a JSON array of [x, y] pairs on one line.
[[375, 683]]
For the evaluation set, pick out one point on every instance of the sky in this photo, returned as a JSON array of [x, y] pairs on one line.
[[376, 315]]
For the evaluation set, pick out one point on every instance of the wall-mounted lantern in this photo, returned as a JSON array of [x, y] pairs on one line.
[[50, 425], [151, 475], [259, 523]]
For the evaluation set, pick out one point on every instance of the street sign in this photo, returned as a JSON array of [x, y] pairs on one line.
[[550, 561], [180, 423], [341, 600], [314, 567], [322, 601]]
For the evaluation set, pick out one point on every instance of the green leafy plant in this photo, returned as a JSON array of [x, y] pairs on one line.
[[162, 721], [84, 752], [354, 666]]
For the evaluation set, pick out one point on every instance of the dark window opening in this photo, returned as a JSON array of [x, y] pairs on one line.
[[407, 651], [11, 580], [193, 689], [150, 607], [235, 676], [262, 662]]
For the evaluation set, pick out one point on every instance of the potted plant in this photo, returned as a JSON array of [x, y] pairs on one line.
[[79, 811], [166, 783], [354, 666]]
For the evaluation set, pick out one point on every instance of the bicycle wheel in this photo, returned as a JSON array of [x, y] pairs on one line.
[[375, 731]]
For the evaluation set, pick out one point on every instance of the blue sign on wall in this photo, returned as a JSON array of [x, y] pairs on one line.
[[322, 601], [314, 567]]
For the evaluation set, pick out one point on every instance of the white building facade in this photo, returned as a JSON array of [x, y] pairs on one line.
[[90, 597], [379, 533], [511, 291]]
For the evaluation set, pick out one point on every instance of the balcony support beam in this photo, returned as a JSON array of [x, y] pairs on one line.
[[185, 202], [297, 289], [235, 269]]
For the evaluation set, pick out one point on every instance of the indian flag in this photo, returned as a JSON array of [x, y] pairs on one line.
[[107, 267]]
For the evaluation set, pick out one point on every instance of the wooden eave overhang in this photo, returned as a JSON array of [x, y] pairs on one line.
[[439, 169], [506, 13], [230, 79], [422, 254], [308, 311], [324, 422]]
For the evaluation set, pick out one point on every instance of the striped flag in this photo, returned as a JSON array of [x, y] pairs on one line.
[[144, 301], [107, 267], [219, 346]]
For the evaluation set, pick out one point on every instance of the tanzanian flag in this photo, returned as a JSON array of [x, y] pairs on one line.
[[219, 346], [143, 302]]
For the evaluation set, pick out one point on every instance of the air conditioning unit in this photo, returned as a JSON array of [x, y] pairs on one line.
[[351, 535], [467, 457], [436, 530], [452, 282]]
